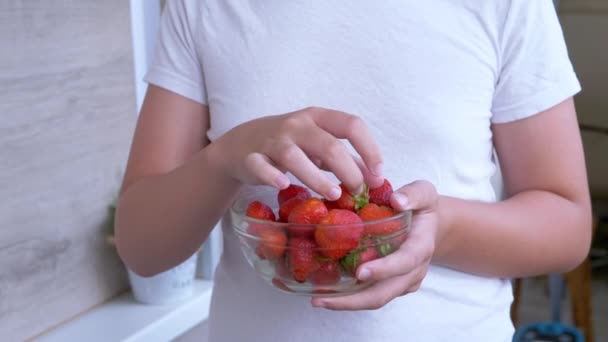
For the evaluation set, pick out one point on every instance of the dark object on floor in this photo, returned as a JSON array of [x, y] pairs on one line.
[[548, 332], [554, 331]]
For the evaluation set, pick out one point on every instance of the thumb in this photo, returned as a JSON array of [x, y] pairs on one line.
[[418, 196]]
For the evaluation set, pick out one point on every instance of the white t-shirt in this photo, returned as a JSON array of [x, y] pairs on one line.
[[428, 77]]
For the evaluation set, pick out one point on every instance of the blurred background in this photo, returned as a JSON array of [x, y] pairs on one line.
[[70, 88]]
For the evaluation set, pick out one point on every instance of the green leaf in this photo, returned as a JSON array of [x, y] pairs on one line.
[[350, 261], [362, 199]]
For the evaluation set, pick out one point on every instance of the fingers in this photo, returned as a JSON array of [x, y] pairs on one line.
[[370, 179], [377, 295], [372, 298], [419, 196], [335, 158], [310, 139], [265, 173], [291, 157], [347, 126], [417, 250]]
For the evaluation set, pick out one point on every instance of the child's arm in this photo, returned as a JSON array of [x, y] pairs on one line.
[[544, 226], [162, 216], [177, 186]]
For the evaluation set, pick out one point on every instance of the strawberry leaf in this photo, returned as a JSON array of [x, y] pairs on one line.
[[350, 261], [362, 199]]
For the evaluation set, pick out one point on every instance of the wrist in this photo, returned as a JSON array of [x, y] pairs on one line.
[[215, 161], [445, 213]]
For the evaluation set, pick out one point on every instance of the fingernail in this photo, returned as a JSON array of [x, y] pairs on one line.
[[402, 200], [377, 169], [281, 181], [335, 193], [364, 274]]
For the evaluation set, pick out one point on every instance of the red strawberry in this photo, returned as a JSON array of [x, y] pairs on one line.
[[348, 201], [327, 274], [273, 243], [336, 242], [354, 259], [309, 213], [288, 206], [331, 204], [373, 212], [293, 191], [302, 259], [382, 194], [260, 211]]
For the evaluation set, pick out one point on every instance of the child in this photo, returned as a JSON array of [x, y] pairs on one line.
[[247, 92]]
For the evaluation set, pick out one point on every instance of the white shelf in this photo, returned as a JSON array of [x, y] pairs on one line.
[[123, 319]]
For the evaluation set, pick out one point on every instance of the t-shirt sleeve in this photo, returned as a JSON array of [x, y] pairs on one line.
[[176, 64], [535, 70]]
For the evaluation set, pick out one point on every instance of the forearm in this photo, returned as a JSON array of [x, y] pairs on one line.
[[162, 220], [531, 233]]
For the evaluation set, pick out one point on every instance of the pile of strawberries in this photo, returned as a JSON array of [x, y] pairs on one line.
[[324, 239]]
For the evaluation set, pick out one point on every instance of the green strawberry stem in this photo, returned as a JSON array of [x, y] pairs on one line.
[[362, 199]]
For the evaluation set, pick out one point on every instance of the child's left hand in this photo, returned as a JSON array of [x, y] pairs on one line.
[[402, 271]]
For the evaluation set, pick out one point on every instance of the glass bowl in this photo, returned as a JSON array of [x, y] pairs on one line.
[[287, 255]]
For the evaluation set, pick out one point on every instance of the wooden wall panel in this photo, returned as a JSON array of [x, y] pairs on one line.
[[67, 111]]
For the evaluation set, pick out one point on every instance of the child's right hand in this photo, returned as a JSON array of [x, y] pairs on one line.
[[260, 151]]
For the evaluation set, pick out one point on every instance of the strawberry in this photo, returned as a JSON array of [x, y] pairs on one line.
[[260, 211], [288, 206], [327, 274], [382, 194], [273, 243], [348, 201], [336, 242], [302, 259], [354, 259], [331, 204], [308, 213], [373, 212], [292, 191]]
